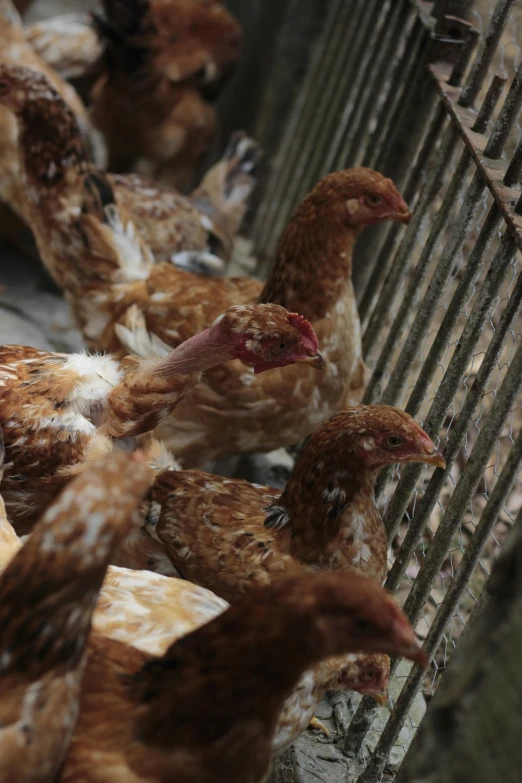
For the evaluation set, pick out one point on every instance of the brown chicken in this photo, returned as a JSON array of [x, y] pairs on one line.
[[47, 595], [93, 251], [191, 232], [15, 50], [229, 535], [149, 611], [207, 711], [160, 58], [60, 411]]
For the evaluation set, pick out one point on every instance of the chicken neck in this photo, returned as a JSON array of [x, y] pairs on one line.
[[152, 391], [314, 262], [326, 497]]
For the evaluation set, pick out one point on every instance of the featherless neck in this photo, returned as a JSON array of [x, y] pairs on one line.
[[313, 264], [196, 354]]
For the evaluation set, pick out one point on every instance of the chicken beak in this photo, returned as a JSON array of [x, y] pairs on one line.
[[316, 360], [428, 456], [381, 697], [403, 216], [436, 458]]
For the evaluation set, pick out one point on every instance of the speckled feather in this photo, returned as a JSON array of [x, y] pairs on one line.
[[91, 227], [61, 411], [67, 43], [229, 535], [101, 262], [47, 595], [17, 51], [150, 611]]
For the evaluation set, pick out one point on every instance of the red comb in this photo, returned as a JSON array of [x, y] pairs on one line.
[[303, 326]]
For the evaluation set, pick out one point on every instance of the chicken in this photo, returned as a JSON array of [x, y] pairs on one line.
[[149, 611], [67, 43], [15, 50], [160, 57], [47, 595], [196, 232], [229, 535], [206, 711], [366, 673], [107, 272], [192, 232], [60, 411]]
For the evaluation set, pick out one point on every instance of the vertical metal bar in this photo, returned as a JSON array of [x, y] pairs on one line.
[[419, 328], [430, 300], [475, 324], [466, 487], [370, 86], [403, 75], [385, 257], [287, 147], [506, 119], [512, 175], [462, 63], [342, 69], [471, 556], [413, 291], [468, 278], [486, 53], [490, 101], [341, 103]]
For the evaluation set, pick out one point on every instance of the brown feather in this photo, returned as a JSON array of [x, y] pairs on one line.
[[229, 535], [47, 596], [206, 712]]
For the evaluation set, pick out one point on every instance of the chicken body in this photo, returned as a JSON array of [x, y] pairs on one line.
[[93, 251], [61, 411], [160, 58], [48, 592], [92, 228], [229, 535], [15, 50], [207, 710], [149, 612], [67, 43], [49, 411], [174, 226]]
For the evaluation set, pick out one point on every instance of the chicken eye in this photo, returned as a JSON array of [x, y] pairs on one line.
[[370, 674], [373, 200], [281, 346], [363, 626], [4, 87], [394, 441]]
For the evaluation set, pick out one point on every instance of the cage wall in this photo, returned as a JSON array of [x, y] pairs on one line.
[[430, 95]]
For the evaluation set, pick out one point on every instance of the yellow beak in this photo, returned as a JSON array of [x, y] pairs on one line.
[[316, 360], [381, 697]]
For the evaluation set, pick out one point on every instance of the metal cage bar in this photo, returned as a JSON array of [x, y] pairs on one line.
[[428, 294]]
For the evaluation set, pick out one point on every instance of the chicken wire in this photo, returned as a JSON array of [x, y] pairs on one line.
[[439, 301]]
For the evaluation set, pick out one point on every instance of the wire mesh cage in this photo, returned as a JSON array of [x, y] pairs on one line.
[[429, 94]]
